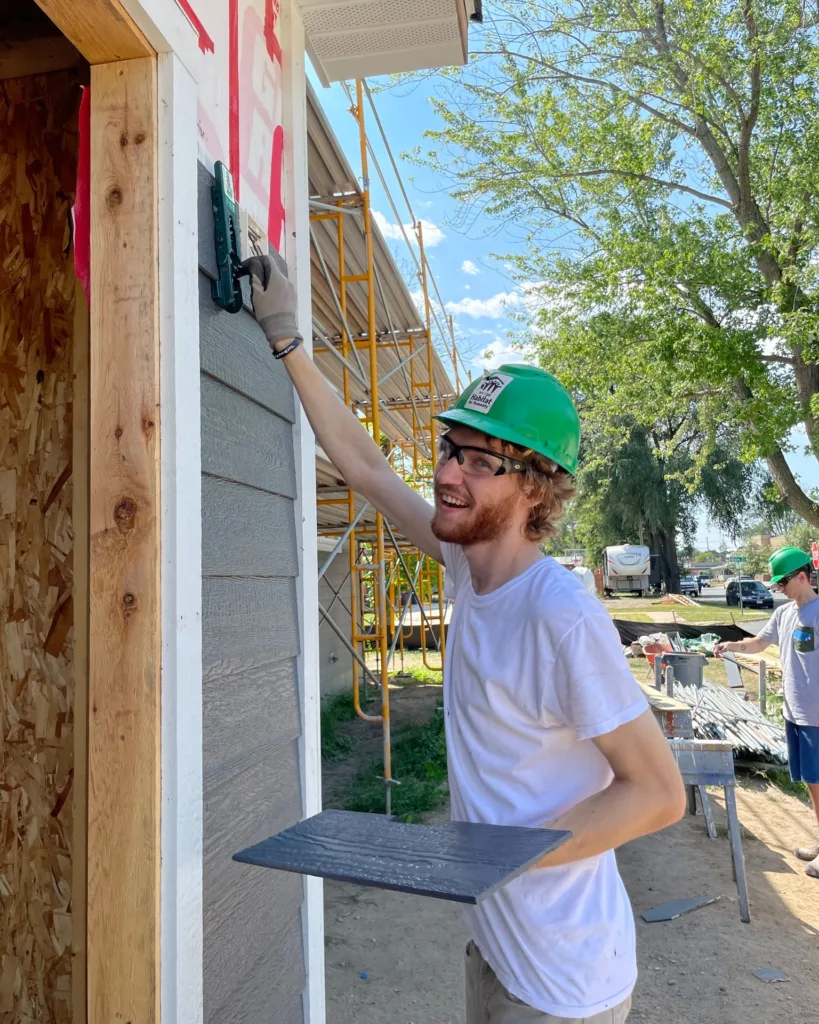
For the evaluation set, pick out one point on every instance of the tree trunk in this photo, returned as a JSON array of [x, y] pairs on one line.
[[665, 545]]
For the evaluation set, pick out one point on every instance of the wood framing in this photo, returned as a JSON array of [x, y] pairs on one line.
[[101, 30], [124, 605]]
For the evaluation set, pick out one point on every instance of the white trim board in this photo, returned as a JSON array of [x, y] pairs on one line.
[[181, 901], [167, 29], [297, 253]]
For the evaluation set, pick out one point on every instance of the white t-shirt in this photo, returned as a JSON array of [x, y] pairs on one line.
[[534, 670]]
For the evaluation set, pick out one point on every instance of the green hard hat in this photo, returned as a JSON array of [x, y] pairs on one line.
[[523, 405], [787, 560]]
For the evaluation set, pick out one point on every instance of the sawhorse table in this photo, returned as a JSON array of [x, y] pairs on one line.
[[711, 763]]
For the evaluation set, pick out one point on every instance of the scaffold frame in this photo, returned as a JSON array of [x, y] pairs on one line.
[[379, 352]]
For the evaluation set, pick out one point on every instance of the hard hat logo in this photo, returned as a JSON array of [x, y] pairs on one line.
[[486, 393]]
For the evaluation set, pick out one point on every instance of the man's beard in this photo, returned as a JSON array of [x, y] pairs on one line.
[[486, 523]]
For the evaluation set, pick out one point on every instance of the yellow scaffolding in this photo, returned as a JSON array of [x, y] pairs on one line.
[[385, 573]]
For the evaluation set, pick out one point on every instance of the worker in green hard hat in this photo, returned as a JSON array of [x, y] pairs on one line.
[[545, 723], [794, 626]]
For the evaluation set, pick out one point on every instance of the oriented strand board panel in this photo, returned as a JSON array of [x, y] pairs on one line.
[[124, 516], [38, 159]]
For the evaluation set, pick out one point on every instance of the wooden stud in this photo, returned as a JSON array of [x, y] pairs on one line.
[[101, 30], [124, 605]]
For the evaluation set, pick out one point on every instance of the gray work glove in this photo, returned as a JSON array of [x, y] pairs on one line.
[[274, 300]]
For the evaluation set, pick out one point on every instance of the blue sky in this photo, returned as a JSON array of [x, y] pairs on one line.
[[476, 288]]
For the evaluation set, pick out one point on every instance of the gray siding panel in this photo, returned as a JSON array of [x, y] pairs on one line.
[[233, 349], [246, 532], [250, 710], [260, 919], [254, 965], [245, 809], [252, 620], [269, 991], [241, 441]]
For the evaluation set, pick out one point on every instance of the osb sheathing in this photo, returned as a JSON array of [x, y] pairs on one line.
[[38, 160]]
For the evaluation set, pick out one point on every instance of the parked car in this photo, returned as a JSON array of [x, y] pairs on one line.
[[688, 586], [704, 579], [754, 594]]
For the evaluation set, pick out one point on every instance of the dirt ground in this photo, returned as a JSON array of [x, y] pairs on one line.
[[695, 970]]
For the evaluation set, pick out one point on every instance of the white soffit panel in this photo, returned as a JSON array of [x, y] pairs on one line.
[[362, 38]]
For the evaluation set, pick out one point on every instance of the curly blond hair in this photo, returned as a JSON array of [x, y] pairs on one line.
[[552, 486]]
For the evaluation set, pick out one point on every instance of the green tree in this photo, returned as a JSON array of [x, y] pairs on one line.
[[756, 560], [678, 141], [802, 536], [706, 556], [634, 487]]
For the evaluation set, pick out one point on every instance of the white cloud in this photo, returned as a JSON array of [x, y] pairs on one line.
[[468, 287], [432, 233], [468, 267], [493, 308]]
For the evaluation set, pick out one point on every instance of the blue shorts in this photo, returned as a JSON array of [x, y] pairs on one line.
[[803, 752]]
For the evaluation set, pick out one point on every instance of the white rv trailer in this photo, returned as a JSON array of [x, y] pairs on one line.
[[626, 569]]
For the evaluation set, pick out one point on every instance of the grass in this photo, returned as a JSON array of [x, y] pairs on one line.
[[418, 675], [694, 614], [711, 613], [410, 669], [337, 709], [418, 761], [781, 778]]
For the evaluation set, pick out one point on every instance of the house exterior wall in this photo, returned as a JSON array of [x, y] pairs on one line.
[[253, 949], [240, 711], [335, 661]]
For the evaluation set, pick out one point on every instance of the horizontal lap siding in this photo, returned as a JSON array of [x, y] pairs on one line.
[[253, 954]]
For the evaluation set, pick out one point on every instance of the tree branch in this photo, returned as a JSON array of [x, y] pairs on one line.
[[785, 360], [560, 73], [784, 479], [563, 213], [789, 488], [635, 176]]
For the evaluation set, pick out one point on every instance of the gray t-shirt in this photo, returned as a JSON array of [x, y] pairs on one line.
[[795, 630]]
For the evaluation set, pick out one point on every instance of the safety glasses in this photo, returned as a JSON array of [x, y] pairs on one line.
[[478, 461], [786, 579]]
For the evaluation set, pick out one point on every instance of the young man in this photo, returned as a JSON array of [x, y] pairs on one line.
[[546, 726], [794, 626]]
